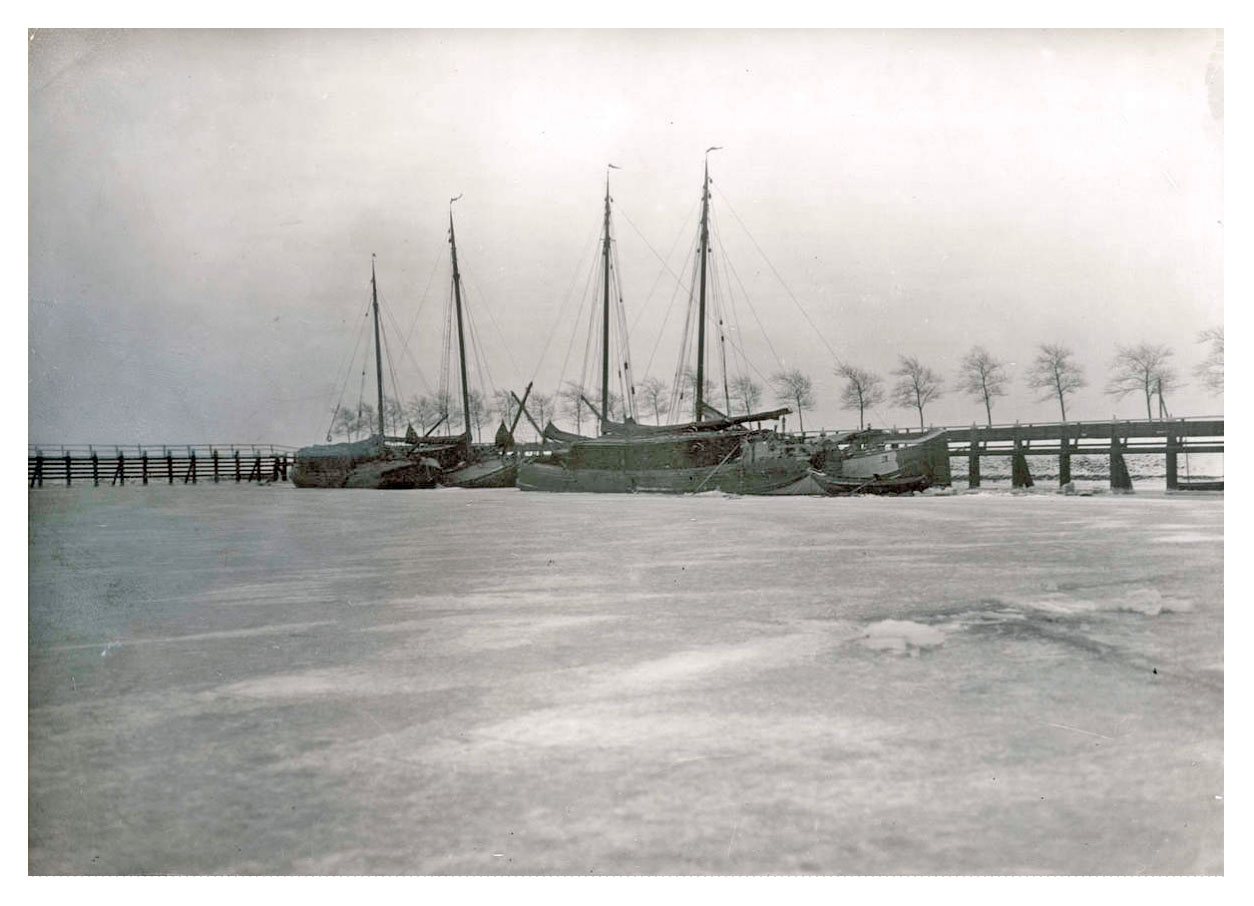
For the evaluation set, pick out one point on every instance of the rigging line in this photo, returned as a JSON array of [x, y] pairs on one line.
[[396, 399], [422, 301], [721, 322], [795, 301], [348, 376], [447, 353], [679, 383], [766, 336], [561, 311], [679, 285], [574, 331], [487, 385], [666, 268], [729, 272], [481, 305], [405, 351], [625, 339], [476, 343]]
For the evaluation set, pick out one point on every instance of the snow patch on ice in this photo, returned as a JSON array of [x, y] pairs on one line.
[[1189, 538], [1142, 599], [902, 637]]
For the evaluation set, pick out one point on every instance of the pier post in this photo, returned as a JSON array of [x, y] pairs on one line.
[[1173, 446], [169, 466], [68, 469], [95, 469], [1020, 476], [215, 466], [1120, 480], [973, 459], [1064, 458]]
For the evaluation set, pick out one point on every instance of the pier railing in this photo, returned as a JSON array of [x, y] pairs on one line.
[[168, 464]]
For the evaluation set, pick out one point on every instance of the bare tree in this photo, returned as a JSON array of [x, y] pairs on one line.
[[655, 392], [689, 387], [424, 410], [478, 412], [1211, 371], [364, 421], [1144, 369], [746, 391], [343, 422], [862, 390], [794, 387], [983, 377], [394, 415], [1055, 375], [445, 409], [540, 407], [572, 404], [503, 405], [615, 403], [917, 385]]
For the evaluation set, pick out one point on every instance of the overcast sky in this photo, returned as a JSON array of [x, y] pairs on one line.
[[204, 205]]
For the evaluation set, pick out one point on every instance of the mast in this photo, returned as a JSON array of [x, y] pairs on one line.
[[705, 250], [378, 350], [461, 340], [605, 311]]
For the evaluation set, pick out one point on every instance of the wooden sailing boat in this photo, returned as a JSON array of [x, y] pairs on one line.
[[408, 462], [701, 455]]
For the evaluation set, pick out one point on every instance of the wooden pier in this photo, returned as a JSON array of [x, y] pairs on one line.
[[1115, 438], [140, 464]]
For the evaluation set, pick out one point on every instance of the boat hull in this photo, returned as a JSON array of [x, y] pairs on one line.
[[735, 479], [500, 473], [843, 486]]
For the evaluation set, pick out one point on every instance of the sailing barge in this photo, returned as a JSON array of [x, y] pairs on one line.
[[390, 463], [702, 455]]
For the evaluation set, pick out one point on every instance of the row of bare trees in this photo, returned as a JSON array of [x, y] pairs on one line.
[[1144, 369]]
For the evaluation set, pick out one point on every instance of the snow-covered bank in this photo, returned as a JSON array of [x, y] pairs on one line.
[[242, 679]]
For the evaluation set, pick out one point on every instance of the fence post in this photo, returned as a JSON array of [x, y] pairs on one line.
[[973, 458], [215, 466], [237, 474], [1064, 457], [1173, 444], [68, 470], [95, 468], [169, 466], [1120, 480], [143, 468]]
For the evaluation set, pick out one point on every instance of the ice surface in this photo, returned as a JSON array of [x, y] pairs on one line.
[[307, 681]]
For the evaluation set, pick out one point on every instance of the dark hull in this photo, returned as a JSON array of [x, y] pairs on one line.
[[490, 474], [1200, 486], [382, 474], [840, 487], [734, 479]]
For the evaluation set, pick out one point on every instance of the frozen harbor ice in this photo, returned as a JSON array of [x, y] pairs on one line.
[[244, 680]]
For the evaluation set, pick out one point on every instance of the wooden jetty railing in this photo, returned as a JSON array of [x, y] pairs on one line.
[[187, 463], [1114, 438]]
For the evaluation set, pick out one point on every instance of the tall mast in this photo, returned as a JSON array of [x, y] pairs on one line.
[[605, 312], [705, 249], [461, 340], [378, 351]]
